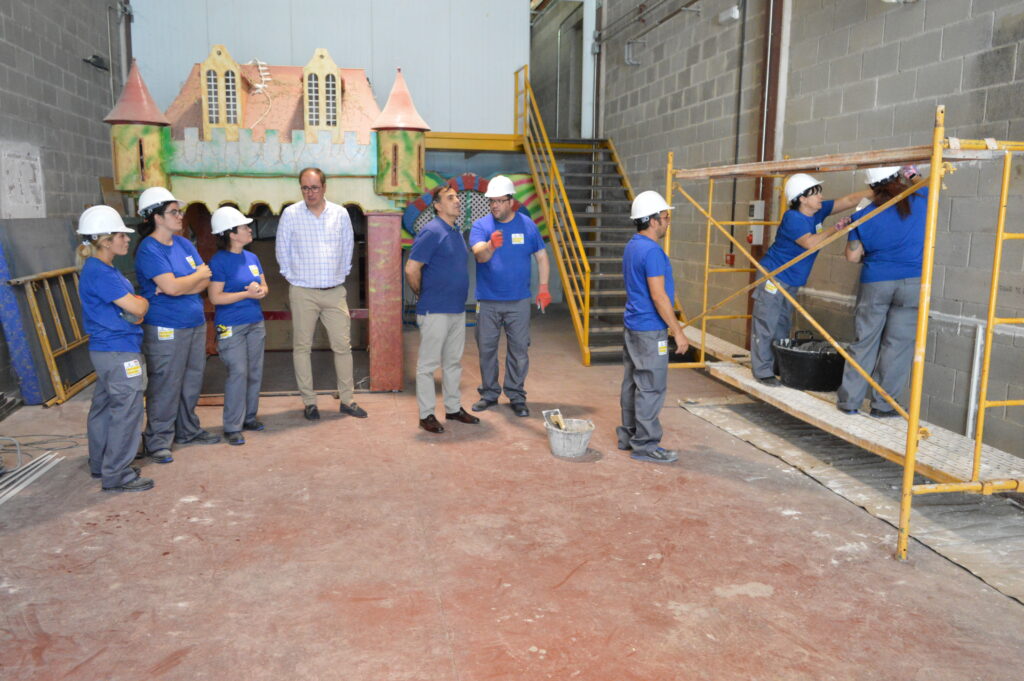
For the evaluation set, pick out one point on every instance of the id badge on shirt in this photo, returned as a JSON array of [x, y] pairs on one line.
[[224, 331], [255, 270], [163, 333], [662, 347], [191, 261], [818, 227], [132, 368], [771, 288], [518, 239]]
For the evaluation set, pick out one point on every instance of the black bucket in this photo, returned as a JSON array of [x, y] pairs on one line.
[[806, 363]]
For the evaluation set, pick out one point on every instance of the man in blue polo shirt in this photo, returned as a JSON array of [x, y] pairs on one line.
[[438, 272], [650, 297], [801, 230], [503, 244]]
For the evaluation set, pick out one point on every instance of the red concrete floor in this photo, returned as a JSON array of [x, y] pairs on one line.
[[370, 550]]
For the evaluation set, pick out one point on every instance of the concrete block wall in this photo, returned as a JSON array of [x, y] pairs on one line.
[[52, 100], [862, 75]]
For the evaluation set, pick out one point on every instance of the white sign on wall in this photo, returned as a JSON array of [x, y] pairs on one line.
[[21, 181]]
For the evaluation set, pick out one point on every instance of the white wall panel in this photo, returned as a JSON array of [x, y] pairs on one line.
[[458, 56]]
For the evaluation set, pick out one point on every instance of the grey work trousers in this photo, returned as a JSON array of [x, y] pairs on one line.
[[770, 321], [512, 316], [175, 366], [886, 326], [644, 382], [330, 306], [442, 340], [242, 354], [115, 416]]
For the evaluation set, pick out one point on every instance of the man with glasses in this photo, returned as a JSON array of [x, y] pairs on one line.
[[801, 230], [314, 251], [504, 244]]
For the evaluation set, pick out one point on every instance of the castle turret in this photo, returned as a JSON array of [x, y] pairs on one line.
[[401, 144], [136, 137]]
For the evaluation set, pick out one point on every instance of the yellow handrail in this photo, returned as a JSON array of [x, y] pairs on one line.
[[570, 256]]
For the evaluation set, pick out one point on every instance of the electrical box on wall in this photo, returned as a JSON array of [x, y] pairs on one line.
[[755, 233], [755, 211]]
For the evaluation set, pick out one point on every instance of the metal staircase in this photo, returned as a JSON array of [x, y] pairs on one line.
[[585, 195]]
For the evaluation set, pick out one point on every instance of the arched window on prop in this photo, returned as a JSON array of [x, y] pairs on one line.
[[312, 100], [331, 100], [230, 98], [212, 108]]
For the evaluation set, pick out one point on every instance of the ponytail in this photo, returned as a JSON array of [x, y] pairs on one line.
[[887, 190], [89, 247]]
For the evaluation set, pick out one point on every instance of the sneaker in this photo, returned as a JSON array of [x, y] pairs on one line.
[[203, 437], [139, 484], [253, 425], [352, 410], [883, 414], [656, 455], [483, 404], [137, 470], [234, 438], [849, 412], [769, 381], [161, 456]]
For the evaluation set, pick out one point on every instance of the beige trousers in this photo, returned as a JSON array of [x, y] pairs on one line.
[[331, 308]]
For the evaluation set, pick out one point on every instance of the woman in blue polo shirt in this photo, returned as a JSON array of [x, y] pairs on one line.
[[801, 230], [891, 246], [111, 313], [236, 287], [171, 276]]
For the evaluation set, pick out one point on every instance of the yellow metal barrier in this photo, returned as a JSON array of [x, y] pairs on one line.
[[42, 283], [570, 256], [940, 154]]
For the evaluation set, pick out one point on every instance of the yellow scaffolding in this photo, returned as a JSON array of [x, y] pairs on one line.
[[949, 475], [67, 340]]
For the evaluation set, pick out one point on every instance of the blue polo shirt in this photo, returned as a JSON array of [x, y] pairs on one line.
[[644, 258], [506, 276], [180, 259], [893, 246], [445, 283], [795, 225], [237, 271], [99, 285]]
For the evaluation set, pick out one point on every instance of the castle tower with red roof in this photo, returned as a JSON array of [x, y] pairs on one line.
[[401, 144], [136, 135]]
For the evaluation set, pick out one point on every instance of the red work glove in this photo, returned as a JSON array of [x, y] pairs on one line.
[[543, 297], [497, 239]]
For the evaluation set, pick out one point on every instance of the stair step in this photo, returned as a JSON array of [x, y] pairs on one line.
[[603, 228], [604, 276], [593, 175], [606, 328], [607, 310], [583, 215], [605, 244], [605, 349], [579, 161], [599, 259], [609, 292], [602, 201]]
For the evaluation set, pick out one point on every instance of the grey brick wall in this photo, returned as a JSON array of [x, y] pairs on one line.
[[51, 99], [862, 75]]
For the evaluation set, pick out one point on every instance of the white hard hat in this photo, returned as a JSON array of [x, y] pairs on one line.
[[798, 184], [646, 204], [499, 186], [153, 198], [227, 218], [101, 220], [875, 176]]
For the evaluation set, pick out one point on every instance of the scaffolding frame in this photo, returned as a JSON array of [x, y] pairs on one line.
[[68, 339], [942, 153]]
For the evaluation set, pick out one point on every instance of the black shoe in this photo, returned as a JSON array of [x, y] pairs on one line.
[[138, 471], [161, 456], [311, 413], [352, 410], [234, 438], [462, 416], [769, 381], [483, 404], [139, 484], [520, 409], [882, 414], [203, 437], [849, 412], [431, 424], [253, 425], [656, 455]]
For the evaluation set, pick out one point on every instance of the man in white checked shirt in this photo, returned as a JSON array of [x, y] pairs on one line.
[[314, 250]]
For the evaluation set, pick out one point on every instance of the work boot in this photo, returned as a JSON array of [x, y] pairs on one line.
[[139, 484], [483, 404], [656, 455], [352, 410], [311, 413]]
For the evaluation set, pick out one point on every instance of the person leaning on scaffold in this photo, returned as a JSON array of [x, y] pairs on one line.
[[891, 246], [801, 230], [111, 314], [650, 296]]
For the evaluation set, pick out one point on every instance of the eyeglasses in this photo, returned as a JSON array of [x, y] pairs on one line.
[[310, 190], [498, 202], [175, 212]]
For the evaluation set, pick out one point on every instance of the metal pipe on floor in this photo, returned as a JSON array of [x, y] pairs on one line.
[[35, 474], [17, 474]]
